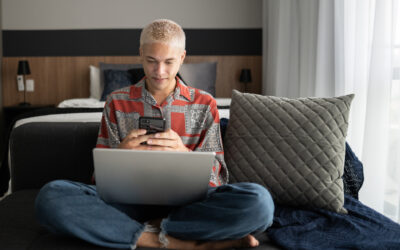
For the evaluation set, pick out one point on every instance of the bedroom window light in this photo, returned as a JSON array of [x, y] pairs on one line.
[[392, 190]]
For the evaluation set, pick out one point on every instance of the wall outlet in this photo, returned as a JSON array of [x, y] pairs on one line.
[[20, 81], [30, 85]]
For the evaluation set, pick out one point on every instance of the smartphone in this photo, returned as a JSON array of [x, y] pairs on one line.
[[152, 124]]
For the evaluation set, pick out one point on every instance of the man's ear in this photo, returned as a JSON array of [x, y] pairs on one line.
[[141, 54], [183, 56]]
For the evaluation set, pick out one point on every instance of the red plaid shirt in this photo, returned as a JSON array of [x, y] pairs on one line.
[[190, 112]]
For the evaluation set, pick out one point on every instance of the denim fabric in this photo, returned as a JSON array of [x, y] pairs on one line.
[[228, 212], [231, 211]]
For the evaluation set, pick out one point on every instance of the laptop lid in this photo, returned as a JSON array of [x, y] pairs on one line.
[[152, 177]]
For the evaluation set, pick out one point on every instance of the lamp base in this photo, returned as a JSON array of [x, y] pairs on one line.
[[24, 104]]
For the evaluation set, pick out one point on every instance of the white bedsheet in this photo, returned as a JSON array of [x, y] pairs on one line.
[[223, 113], [94, 103], [69, 117], [225, 102]]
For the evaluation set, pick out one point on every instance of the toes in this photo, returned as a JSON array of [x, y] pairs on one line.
[[251, 241]]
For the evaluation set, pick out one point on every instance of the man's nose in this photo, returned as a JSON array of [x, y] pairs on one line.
[[160, 68]]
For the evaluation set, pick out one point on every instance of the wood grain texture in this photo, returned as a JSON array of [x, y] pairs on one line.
[[60, 78]]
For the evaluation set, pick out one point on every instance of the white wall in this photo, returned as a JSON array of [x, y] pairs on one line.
[[109, 14]]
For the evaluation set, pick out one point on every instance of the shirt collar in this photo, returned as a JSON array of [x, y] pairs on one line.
[[138, 90], [182, 89]]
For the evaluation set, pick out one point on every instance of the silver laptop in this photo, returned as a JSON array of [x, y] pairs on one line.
[[152, 177]]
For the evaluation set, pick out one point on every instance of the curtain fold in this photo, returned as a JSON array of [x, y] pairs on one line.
[[331, 48], [376, 127]]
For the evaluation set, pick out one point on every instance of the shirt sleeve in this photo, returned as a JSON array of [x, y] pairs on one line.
[[108, 134], [211, 141]]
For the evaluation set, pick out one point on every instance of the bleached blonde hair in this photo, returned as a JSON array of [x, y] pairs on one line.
[[163, 31]]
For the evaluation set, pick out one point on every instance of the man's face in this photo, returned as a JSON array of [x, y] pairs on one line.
[[161, 63]]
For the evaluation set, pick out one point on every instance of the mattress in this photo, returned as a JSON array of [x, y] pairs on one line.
[[68, 117], [223, 105]]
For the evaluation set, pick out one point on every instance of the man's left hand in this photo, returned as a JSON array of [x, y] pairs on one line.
[[168, 140]]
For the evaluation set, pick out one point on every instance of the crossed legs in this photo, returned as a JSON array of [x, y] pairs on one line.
[[226, 218]]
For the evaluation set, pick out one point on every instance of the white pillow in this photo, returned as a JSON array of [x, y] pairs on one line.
[[95, 89], [81, 103]]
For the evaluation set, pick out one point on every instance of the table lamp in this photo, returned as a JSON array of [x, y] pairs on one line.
[[245, 77], [23, 69]]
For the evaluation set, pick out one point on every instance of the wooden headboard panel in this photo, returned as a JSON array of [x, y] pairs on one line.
[[60, 78]]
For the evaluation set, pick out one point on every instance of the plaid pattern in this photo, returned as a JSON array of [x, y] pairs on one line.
[[190, 112]]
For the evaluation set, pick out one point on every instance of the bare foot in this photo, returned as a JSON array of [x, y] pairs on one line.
[[148, 239], [251, 241], [247, 241]]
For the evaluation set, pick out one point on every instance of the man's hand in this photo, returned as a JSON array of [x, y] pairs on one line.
[[168, 140], [134, 139]]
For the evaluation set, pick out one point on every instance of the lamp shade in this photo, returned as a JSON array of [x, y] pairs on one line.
[[245, 75], [23, 68]]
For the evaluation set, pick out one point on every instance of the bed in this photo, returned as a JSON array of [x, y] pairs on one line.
[[111, 76], [71, 110], [103, 79]]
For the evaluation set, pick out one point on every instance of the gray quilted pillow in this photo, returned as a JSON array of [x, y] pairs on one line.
[[293, 147]]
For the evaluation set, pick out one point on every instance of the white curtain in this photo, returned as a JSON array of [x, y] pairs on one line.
[[330, 48]]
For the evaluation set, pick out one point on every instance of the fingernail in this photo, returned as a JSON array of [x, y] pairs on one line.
[[156, 135], [149, 141]]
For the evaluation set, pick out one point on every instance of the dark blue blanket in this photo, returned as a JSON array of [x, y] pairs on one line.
[[361, 228]]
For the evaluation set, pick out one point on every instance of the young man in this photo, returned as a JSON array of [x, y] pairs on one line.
[[225, 218]]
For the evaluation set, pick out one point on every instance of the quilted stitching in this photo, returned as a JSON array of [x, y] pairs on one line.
[[294, 147]]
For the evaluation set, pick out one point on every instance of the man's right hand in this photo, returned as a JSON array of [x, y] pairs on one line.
[[134, 139]]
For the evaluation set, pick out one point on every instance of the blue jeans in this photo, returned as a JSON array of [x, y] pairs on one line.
[[230, 211]]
